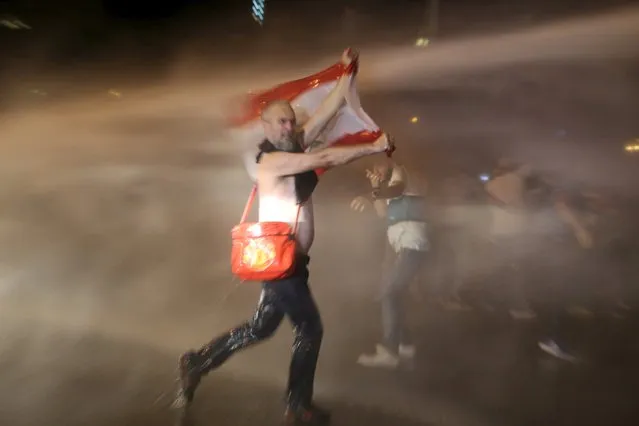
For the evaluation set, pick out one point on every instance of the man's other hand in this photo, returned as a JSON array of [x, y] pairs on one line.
[[359, 204]]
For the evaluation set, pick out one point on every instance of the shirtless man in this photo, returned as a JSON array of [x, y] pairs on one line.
[[286, 179]]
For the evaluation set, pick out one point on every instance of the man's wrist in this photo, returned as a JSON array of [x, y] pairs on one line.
[[379, 149], [372, 148]]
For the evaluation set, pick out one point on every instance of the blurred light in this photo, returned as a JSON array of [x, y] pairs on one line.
[[259, 10], [422, 42], [632, 146], [14, 23], [115, 93], [414, 120], [484, 177]]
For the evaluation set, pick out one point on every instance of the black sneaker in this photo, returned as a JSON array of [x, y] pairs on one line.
[[312, 416], [189, 379]]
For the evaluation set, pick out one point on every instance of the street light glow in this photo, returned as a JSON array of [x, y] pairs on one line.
[[632, 147]]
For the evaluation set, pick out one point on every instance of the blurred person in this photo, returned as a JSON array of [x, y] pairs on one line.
[[286, 179], [605, 266], [396, 199], [460, 226], [555, 226], [506, 195]]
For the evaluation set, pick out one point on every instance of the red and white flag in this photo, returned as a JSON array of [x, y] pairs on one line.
[[351, 125]]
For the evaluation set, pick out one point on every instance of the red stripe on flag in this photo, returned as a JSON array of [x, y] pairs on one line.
[[287, 92]]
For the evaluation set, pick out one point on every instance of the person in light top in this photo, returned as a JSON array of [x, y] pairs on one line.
[[395, 198]]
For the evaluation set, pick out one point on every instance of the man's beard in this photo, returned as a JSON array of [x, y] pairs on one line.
[[288, 144]]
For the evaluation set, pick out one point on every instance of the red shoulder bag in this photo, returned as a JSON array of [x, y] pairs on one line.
[[263, 251]]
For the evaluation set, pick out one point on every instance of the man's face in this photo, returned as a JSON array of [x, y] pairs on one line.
[[279, 126]]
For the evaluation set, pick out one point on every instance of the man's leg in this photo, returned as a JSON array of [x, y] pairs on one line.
[[195, 364], [395, 332], [294, 298]]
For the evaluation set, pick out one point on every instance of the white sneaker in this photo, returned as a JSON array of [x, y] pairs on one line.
[[552, 348], [383, 358], [407, 351]]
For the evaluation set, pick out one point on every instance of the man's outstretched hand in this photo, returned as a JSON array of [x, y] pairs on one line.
[[350, 60], [350, 56], [385, 143]]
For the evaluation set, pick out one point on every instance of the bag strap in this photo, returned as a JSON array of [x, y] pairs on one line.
[[249, 204], [297, 217]]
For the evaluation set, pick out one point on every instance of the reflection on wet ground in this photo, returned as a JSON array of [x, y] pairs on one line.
[[473, 370]]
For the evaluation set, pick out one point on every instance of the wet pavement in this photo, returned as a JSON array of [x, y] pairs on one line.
[[473, 369]]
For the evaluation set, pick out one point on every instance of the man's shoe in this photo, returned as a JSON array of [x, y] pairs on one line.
[[312, 416]]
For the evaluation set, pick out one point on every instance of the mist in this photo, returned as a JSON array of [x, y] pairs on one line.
[[116, 215]]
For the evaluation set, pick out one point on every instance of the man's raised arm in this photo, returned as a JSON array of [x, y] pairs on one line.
[[333, 102], [285, 163]]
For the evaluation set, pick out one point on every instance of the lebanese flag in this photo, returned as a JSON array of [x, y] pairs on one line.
[[351, 125]]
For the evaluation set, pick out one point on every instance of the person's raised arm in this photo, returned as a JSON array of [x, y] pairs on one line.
[[329, 107], [285, 163]]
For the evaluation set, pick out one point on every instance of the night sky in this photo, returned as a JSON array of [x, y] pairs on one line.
[[151, 9]]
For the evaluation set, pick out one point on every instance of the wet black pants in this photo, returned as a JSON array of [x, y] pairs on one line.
[[291, 297]]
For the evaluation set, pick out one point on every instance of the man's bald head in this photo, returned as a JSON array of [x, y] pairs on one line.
[[278, 107], [278, 119]]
